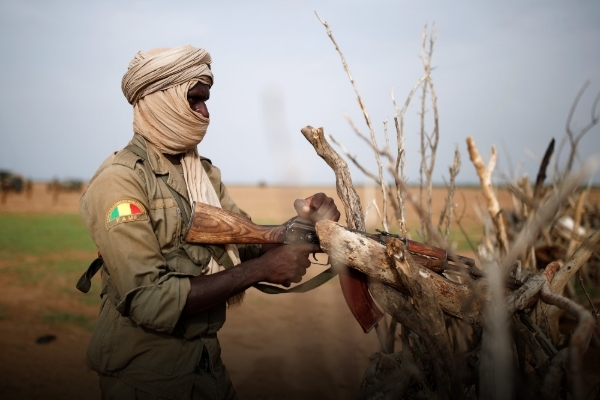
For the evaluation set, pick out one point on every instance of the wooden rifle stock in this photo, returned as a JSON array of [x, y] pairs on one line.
[[213, 225]]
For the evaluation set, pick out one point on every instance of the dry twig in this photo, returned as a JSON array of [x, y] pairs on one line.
[[485, 176], [575, 138], [448, 211]]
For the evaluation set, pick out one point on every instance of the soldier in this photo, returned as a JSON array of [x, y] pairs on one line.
[[164, 300]]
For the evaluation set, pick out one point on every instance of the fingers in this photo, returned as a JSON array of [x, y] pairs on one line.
[[302, 208], [287, 264], [317, 207], [300, 272], [307, 248]]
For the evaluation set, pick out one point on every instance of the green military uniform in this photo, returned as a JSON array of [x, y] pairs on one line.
[[141, 338]]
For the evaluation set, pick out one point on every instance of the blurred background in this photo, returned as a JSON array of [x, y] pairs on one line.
[[505, 73]]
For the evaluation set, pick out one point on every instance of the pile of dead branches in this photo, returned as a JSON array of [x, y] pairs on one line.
[[480, 331]]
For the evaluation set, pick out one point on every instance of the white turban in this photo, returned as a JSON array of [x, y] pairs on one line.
[[156, 84]]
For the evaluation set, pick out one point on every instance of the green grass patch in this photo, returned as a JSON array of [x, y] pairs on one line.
[[49, 250], [61, 317], [37, 234], [46, 272]]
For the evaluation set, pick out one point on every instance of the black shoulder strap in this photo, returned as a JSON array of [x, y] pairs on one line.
[[85, 282]]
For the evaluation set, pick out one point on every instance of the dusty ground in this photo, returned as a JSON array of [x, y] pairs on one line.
[[287, 346]]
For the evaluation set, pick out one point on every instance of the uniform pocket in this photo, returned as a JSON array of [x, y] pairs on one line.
[[118, 342], [165, 223]]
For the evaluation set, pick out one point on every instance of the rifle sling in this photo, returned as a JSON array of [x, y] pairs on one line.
[[311, 284], [85, 282]]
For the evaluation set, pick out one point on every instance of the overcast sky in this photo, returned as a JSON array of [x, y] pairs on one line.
[[506, 73]]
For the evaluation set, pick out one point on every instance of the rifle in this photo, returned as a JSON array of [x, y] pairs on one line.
[[213, 225]]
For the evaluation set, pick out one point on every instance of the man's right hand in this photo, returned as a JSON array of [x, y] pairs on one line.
[[287, 264], [281, 265]]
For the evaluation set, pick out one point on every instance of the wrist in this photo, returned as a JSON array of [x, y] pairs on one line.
[[256, 269]]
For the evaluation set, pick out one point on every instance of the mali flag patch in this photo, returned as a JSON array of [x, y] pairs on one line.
[[127, 210]]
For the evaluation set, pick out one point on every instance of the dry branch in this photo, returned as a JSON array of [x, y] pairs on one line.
[[577, 222], [485, 176], [448, 211], [426, 304], [582, 335], [526, 295], [545, 214], [575, 138], [577, 260], [552, 380], [370, 258], [541, 176], [343, 181], [429, 142]]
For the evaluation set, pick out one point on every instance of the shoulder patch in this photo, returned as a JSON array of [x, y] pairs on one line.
[[127, 210]]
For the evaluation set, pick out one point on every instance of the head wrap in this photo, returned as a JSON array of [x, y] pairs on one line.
[[163, 68], [156, 84]]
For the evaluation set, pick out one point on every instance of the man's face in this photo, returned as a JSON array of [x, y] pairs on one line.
[[197, 97]]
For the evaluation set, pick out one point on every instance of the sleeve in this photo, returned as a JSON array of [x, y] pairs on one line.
[[115, 210], [248, 251]]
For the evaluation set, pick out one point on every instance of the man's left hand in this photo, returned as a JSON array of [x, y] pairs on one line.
[[317, 207]]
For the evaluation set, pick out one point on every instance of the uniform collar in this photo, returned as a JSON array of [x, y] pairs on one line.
[[161, 166], [158, 162]]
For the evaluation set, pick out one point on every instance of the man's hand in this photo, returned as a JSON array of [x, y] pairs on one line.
[[282, 265], [287, 264], [316, 208]]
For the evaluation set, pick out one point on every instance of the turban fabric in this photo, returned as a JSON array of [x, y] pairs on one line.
[[163, 68], [156, 84]]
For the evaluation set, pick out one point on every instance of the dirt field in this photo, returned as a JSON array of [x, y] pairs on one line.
[[304, 346]]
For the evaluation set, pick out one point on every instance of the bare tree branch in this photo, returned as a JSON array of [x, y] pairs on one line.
[[448, 210], [574, 138], [485, 176]]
